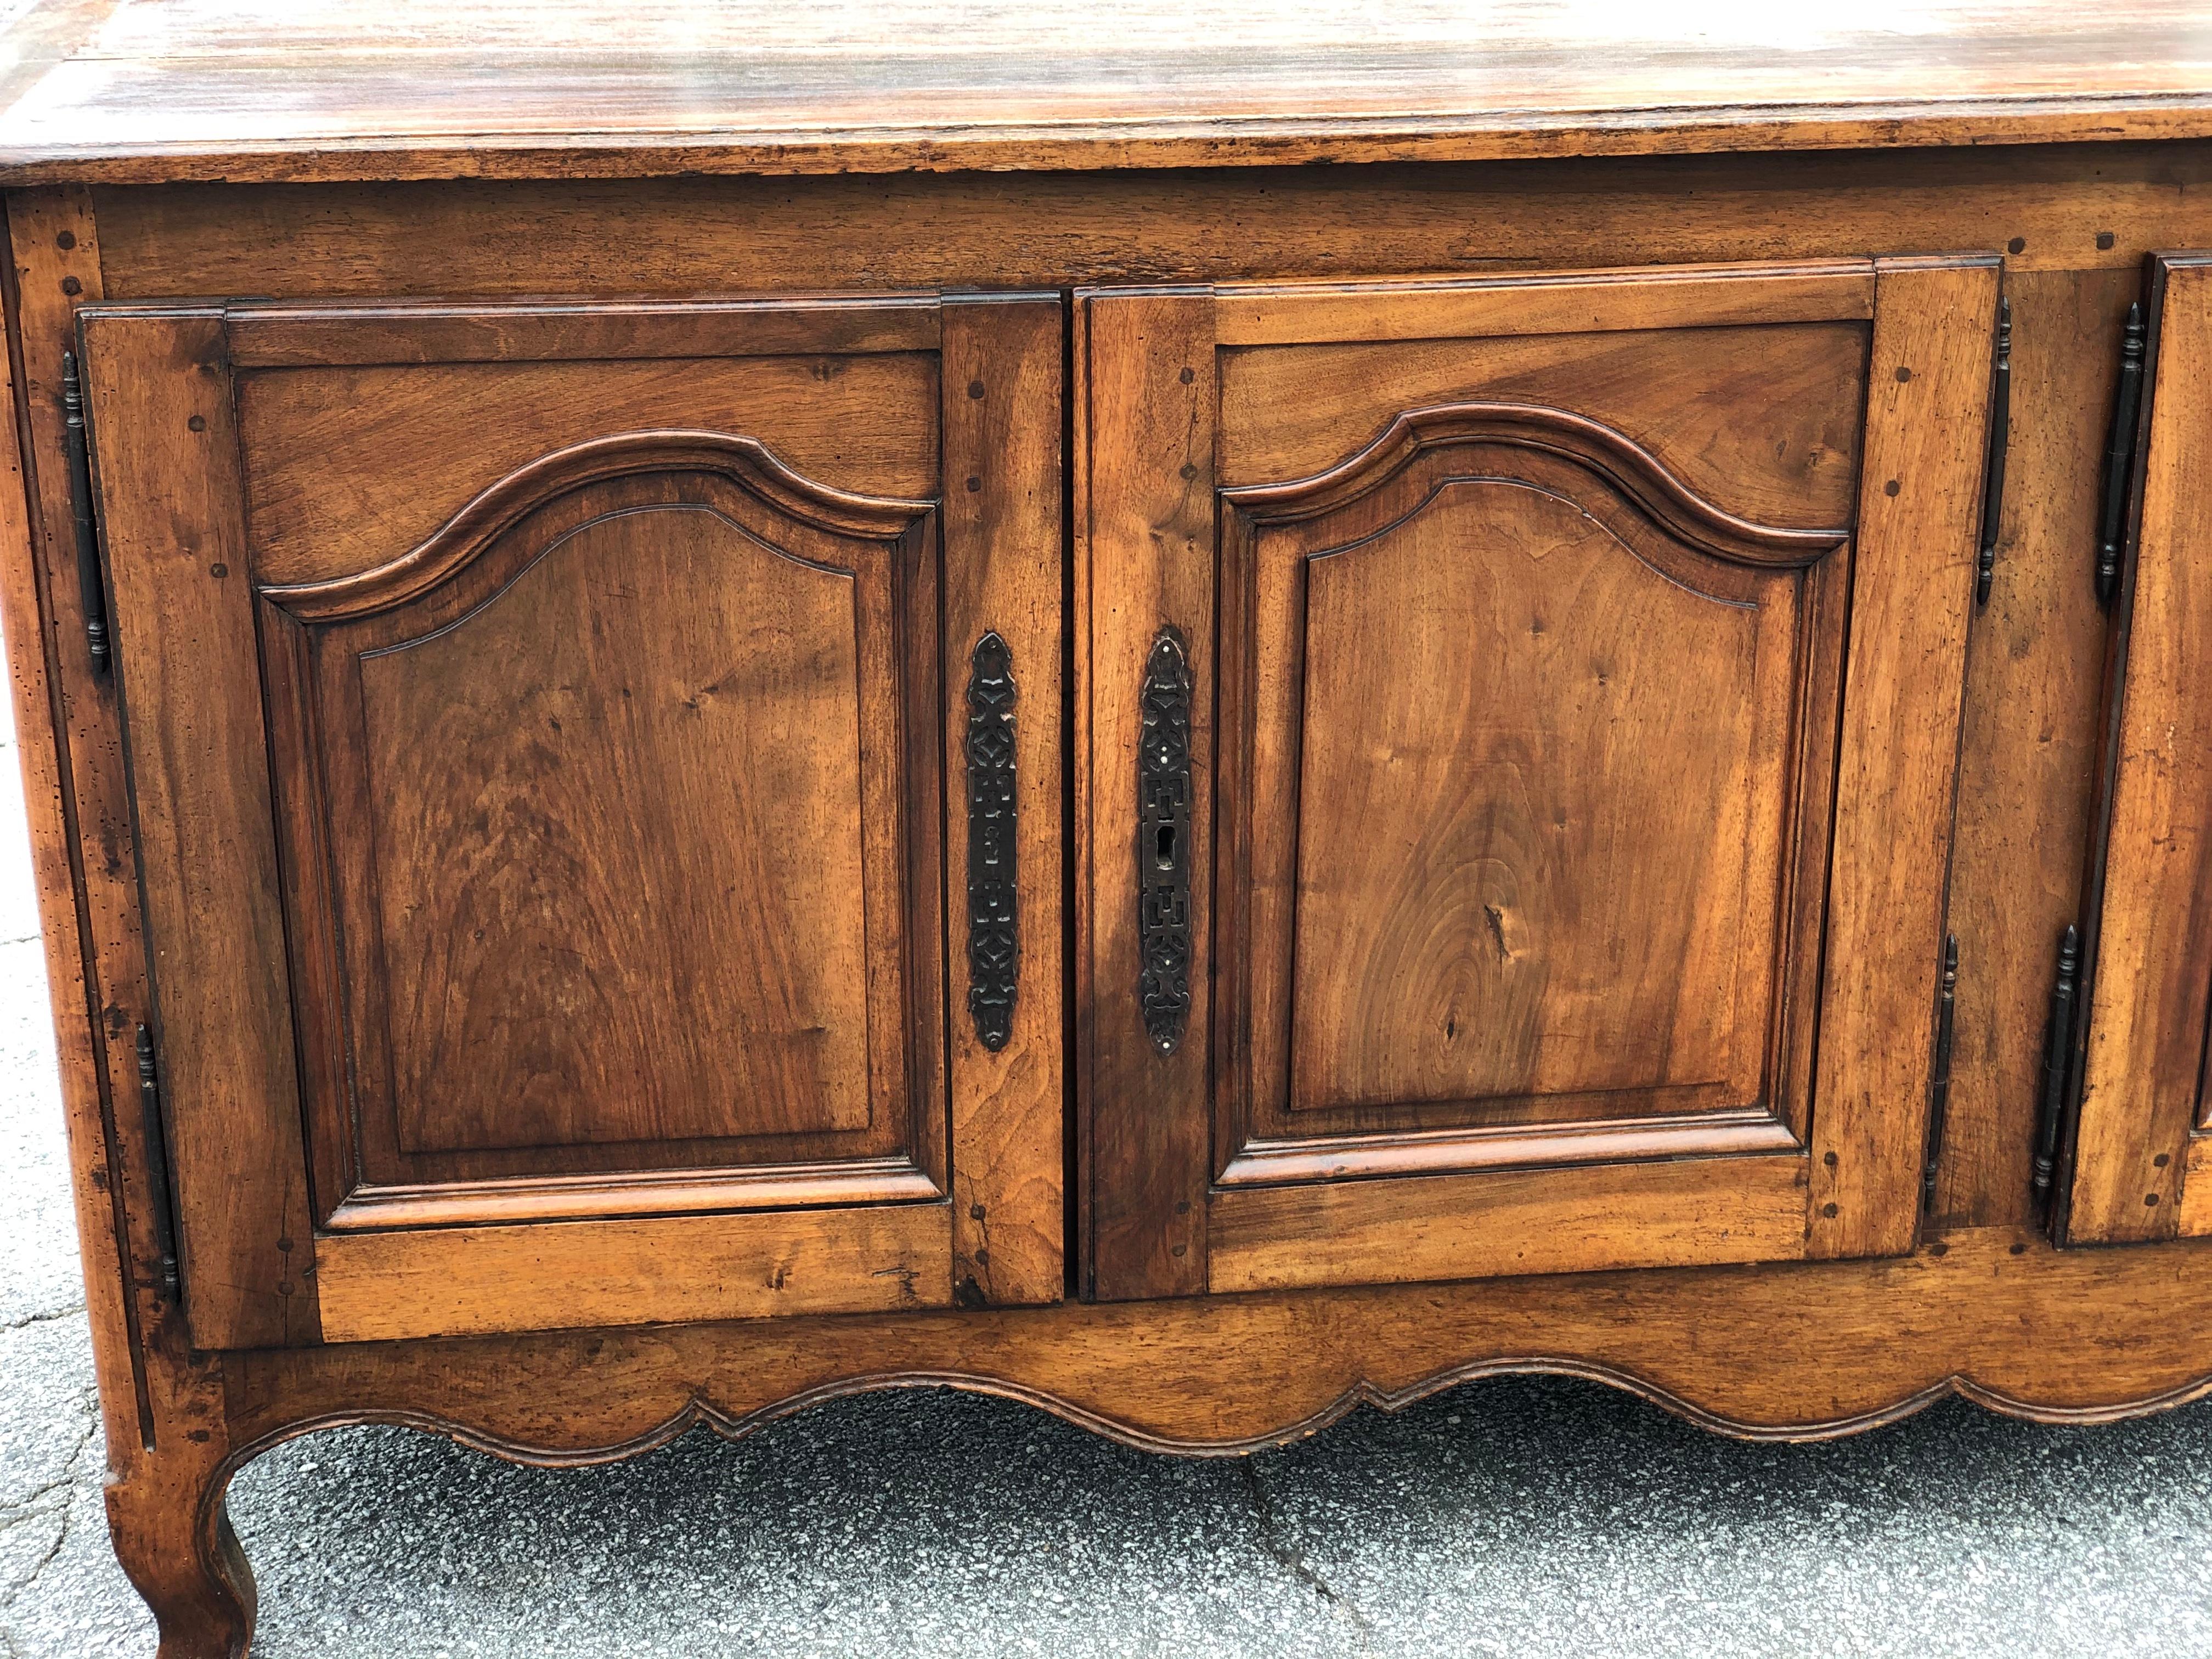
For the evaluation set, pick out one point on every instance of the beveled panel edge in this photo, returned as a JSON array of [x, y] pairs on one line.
[[1277, 1163], [1617, 459], [461, 538], [1563, 302], [369, 1208], [351, 334]]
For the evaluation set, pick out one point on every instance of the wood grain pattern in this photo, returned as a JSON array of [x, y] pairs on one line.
[[1763, 422], [622, 786], [162, 1405], [173, 523], [270, 336], [1797, 1352], [1780, 1350], [1146, 398], [2195, 1205], [191, 88], [1320, 313], [1382, 1018], [2098, 207], [1466, 662], [324, 445], [451, 1281], [2028, 746], [32, 620], [1911, 592], [1006, 569], [706, 866], [2141, 1078], [1552, 1221]]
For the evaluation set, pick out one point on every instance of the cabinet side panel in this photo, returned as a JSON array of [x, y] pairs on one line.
[[2147, 1002], [1004, 571], [1146, 439], [29, 614], [160, 408], [1912, 595]]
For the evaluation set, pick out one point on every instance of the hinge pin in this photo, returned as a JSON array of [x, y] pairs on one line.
[[1993, 479], [2120, 457], [2057, 1055], [157, 1161], [1939, 1081], [90, 592]]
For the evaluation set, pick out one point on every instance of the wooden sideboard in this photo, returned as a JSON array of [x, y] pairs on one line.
[[1201, 730]]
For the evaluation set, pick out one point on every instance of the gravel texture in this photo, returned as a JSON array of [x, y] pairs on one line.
[[1509, 1516]]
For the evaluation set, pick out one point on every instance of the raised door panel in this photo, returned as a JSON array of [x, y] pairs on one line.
[[2141, 1166], [1537, 778], [598, 796], [602, 807], [1547, 749]]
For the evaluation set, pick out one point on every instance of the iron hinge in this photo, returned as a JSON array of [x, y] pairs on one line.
[[2119, 458], [2057, 1067], [157, 1161], [92, 590], [1993, 476], [1939, 1077]]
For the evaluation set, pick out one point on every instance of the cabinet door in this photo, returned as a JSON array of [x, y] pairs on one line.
[[1516, 739], [2142, 1145], [550, 729]]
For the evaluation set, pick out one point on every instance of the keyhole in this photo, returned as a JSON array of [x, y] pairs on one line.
[[1166, 853]]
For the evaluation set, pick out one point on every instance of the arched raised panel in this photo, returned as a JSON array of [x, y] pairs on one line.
[[1494, 709], [685, 796], [1548, 717], [604, 873]]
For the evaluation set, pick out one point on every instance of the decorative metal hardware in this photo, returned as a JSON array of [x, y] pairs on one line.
[[1939, 1081], [1993, 478], [90, 590], [1163, 849], [2119, 458], [2057, 1064], [994, 944], [157, 1161]]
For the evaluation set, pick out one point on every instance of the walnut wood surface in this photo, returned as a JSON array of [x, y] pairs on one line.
[[2141, 1091], [172, 524], [1773, 1349], [2029, 747], [1800, 1351], [1763, 422], [162, 1404], [1005, 571], [2049, 207], [326, 442], [1143, 424], [1468, 672], [1529, 757], [1897, 766], [683, 948], [178, 88], [448, 1281]]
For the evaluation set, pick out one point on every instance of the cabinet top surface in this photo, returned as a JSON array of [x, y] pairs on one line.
[[152, 90]]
